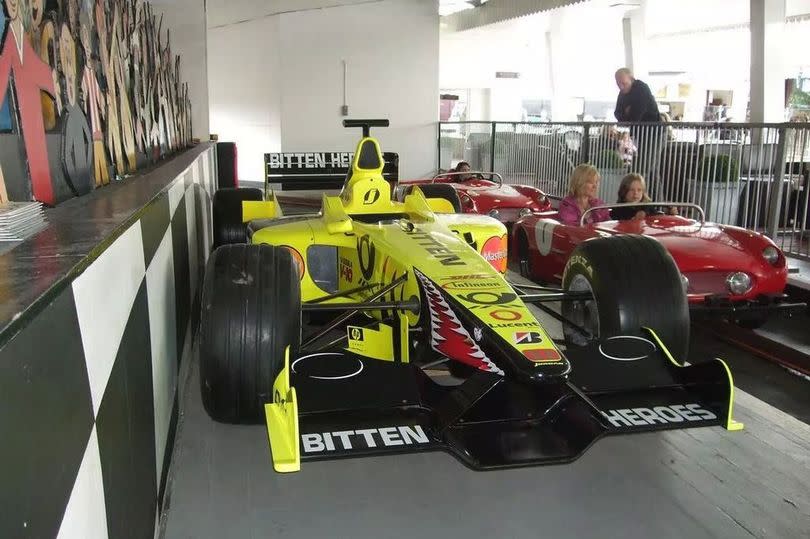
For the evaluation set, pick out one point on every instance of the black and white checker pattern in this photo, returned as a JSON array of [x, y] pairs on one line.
[[95, 378]]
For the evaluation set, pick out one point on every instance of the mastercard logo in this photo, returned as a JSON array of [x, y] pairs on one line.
[[494, 252]]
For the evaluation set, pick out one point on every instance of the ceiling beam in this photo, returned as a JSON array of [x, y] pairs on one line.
[[500, 10]]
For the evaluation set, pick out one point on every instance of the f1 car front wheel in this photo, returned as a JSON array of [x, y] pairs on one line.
[[251, 312], [634, 283]]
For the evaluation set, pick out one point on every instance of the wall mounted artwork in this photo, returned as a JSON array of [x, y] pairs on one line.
[[89, 91]]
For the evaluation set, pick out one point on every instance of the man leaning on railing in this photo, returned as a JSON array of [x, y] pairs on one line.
[[636, 104]]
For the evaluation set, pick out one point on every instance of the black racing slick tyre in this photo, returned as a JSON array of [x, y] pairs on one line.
[[438, 190], [635, 283], [228, 225], [251, 312]]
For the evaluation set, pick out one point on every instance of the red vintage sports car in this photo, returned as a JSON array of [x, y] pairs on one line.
[[481, 192], [725, 269]]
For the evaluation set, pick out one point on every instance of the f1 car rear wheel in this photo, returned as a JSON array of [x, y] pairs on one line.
[[228, 225], [251, 312], [635, 283], [438, 190]]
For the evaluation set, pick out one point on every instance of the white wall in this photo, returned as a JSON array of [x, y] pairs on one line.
[[186, 20], [276, 80], [586, 48], [391, 49], [244, 85]]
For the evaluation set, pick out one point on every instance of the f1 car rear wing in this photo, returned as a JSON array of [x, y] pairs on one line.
[[318, 170]]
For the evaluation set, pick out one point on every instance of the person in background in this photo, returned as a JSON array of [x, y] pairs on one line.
[[462, 166], [626, 148], [633, 190], [636, 104], [582, 187]]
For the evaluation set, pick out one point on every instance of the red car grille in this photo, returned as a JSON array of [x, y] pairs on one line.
[[508, 215], [707, 282]]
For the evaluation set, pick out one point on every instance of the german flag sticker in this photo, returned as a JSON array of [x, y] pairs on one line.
[[540, 355]]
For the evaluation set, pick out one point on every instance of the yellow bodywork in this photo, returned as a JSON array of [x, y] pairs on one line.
[[449, 248], [377, 240], [261, 209], [282, 422]]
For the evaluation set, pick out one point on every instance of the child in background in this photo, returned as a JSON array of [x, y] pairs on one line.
[[626, 148], [633, 190]]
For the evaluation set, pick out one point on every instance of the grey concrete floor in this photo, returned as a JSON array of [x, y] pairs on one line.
[[676, 484]]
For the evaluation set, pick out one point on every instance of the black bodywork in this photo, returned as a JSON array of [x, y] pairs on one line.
[[350, 405]]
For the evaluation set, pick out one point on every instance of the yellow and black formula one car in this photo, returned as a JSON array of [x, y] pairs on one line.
[[330, 328]]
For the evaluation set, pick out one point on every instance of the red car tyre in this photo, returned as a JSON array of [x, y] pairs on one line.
[[635, 283]]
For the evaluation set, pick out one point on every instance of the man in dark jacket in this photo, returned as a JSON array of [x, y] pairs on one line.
[[636, 104]]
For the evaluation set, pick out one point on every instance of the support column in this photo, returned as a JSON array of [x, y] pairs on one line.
[[634, 32], [767, 61]]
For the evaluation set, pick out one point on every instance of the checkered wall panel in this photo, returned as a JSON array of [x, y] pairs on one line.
[[88, 389]]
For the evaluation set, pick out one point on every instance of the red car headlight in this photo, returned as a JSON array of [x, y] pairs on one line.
[[771, 255], [739, 283]]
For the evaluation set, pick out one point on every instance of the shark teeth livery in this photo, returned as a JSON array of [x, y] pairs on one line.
[[448, 335]]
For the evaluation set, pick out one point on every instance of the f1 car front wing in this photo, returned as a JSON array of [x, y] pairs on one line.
[[349, 405]]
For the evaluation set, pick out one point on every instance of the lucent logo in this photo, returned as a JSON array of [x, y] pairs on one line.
[[364, 439], [642, 417]]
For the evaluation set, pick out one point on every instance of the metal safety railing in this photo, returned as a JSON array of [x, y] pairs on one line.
[[750, 175]]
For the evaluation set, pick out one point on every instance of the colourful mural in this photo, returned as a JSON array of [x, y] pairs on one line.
[[90, 91]]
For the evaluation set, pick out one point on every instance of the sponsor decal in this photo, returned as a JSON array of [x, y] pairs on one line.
[[505, 315], [502, 325], [494, 252], [473, 276], [528, 337], [447, 335], [371, 196], [298, 259], [346, 269], [310, 160], [478, 334], [542, 355], [435, 248], [366, 253], [544, 235], [355, 333], [578, 259], [489, 298], [663, 415], [347, 440], [472, 284]]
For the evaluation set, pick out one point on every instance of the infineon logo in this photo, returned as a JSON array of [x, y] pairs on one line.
[[642, 417], [364, 439]]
